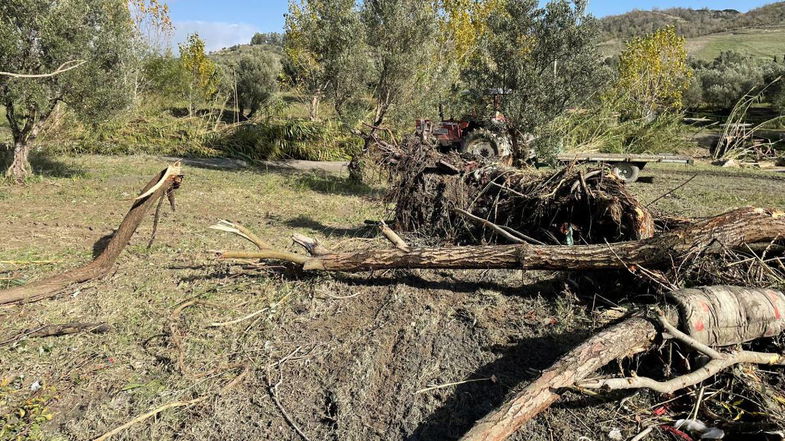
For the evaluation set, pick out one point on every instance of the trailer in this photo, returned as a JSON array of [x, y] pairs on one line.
[[625, 166]]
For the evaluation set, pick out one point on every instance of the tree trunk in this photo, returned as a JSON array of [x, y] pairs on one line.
[[712, 236], [168, 179], [628, 338], [20, 168], [731, 230], [313, 108]]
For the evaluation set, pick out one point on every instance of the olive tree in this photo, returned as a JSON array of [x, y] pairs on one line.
[[257, 82], [542, 60], [401, 36], [322, 46], [39, 36]]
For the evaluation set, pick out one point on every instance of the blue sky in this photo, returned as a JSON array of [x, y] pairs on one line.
[[229, 22]]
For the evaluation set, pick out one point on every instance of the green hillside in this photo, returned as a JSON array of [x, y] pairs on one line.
[[758, 42], [759, 32]]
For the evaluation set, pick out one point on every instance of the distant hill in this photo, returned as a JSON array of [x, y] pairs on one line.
[[690, 22], [231, 54], [759, 32]]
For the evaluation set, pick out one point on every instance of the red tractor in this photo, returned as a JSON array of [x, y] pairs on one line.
[[486, 138]]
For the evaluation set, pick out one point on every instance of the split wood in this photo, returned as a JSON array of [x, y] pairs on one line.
[[159, 187]]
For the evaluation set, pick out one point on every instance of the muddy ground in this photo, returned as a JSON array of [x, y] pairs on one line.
[[341, 357]]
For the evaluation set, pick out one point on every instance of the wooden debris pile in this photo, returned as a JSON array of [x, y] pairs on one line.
[[459, 198]]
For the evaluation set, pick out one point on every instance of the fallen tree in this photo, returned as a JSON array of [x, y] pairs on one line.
[[732, 230], [724, 320], [160, 187], [461, 198]]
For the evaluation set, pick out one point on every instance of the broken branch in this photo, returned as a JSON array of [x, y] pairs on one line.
[[393, 237], [166, 181]]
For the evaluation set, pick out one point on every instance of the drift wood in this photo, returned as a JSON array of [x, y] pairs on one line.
[[163, 185], [731, 230]]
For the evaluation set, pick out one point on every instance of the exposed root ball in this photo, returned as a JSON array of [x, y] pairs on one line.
[[571, 206]]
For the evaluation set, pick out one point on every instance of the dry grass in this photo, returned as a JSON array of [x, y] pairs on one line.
[[355, 363]]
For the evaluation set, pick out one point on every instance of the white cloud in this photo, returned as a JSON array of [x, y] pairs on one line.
[[216, 35]]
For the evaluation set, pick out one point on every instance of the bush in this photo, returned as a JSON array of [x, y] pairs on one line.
[[148, 129], [726, 80], [599, 129], [292, 139]]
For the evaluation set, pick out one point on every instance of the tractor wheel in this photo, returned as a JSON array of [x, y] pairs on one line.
[[485, 143]]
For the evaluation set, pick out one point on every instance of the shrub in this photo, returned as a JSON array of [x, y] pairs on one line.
[[292, 139]]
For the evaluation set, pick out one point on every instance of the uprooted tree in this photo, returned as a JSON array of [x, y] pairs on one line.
[[460, 198], [699, 318], [733, 230]]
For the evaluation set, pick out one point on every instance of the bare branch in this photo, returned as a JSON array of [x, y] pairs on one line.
[[393, 237], [65, 67]]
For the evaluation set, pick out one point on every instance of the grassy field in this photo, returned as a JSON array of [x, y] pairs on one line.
[[355, 349], [764, 42]]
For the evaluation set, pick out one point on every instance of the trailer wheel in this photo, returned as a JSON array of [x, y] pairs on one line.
[[627, 172]]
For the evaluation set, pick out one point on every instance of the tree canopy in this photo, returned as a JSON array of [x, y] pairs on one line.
[[542, 60], [38, 36]]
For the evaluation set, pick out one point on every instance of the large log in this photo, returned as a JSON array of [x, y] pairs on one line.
[[162, 185], [732, 230], [716, 307]]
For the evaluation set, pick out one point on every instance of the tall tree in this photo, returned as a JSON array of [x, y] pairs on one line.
[[38, 36], [401, 37], [321, 48], [257, 82], [153, 29], [542, 60], [200, 71], [464, 22], [653, 73]]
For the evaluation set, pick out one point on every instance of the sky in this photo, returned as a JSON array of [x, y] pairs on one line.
[[224, 23]]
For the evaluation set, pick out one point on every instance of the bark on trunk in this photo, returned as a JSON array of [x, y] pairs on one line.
[[623, 340], [313, 108], [20, 168], [712, 236], [168, 179]]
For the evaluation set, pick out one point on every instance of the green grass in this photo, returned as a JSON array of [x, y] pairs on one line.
[[765, 42]]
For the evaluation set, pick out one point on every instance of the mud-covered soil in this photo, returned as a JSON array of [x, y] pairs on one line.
[[341, 357]]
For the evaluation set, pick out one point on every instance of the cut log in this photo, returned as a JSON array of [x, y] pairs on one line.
[[712, 236], [159, 187], [623, 340], [637, 335]]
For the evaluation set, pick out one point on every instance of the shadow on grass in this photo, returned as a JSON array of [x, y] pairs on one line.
[[43, 165], [452, 283], [366, 231], [331, 184], [516, 363]]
